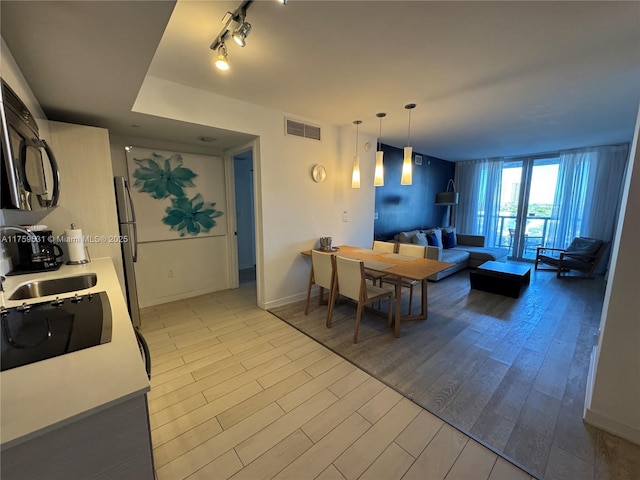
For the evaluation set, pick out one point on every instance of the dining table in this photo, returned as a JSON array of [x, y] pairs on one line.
[[397, 267]]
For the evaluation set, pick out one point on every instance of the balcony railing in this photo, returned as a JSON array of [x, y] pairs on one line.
[[536, 234]]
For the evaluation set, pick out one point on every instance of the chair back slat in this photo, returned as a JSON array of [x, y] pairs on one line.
[[386, 247], [322, 268], [411, 250], [350, 277]]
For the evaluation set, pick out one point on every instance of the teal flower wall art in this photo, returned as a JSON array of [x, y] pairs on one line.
[[191, 216], [162, 177], [165, 184]]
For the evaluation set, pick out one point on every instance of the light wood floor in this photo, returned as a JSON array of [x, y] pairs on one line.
[[511, 372], [237, 393]]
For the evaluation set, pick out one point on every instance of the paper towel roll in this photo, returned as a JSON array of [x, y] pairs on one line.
[[75, 245]]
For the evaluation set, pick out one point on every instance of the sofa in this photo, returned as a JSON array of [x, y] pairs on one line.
[[446, 245]]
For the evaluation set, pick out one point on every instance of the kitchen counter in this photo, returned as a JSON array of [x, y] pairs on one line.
[[44, 396]]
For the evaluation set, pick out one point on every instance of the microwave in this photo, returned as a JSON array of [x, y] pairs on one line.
[[30, 176]]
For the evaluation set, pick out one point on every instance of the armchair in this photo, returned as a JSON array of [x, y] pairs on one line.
[[582, 255]]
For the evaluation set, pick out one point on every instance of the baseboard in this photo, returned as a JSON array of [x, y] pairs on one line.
[[612, 426], [601, 421], [286, 300], [174, 298]]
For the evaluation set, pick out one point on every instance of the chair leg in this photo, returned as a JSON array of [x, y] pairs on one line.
[[358, 315], [410, 298], [332, 297], [389, 316], [306, 307]]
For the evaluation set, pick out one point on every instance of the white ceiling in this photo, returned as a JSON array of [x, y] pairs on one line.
[[489, 78]]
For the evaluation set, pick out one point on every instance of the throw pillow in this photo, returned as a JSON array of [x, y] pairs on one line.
[[448, 239], [437, 232], [419, 239], [432, 240], [451, 230]]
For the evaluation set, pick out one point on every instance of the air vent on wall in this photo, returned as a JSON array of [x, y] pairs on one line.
[[300, 129]]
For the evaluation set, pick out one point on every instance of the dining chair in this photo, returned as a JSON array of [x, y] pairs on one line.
[[350, 281], [322, 273], [409, 250], [382, 247]]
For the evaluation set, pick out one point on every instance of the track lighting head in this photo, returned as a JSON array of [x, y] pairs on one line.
[[222, 62], [241, 33]]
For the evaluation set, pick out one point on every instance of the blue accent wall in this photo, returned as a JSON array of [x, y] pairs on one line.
[[406, 207]]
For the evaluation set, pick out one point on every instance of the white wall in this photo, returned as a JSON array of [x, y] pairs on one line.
[[172, 270], [613, 392], [292, 211]]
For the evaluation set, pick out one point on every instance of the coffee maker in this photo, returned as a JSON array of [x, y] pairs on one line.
[[42, 257]]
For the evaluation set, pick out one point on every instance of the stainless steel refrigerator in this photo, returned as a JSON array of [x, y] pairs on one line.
[[127, 223]]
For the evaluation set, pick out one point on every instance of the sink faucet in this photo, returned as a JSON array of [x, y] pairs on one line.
[[35, 247]]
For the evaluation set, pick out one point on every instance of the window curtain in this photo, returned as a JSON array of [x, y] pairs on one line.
[[588, 195], [479, 183]]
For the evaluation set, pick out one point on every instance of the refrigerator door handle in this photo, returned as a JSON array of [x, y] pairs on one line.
[[132, 222], [135, 242], [133, 212]]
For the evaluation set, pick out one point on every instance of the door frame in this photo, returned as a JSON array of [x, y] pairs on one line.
[[522, 212], [232, 244]]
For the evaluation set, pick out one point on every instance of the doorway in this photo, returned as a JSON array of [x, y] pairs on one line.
[[526, 204], [245, 216]]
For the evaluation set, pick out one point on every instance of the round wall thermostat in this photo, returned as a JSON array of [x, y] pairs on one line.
[[319, 173]]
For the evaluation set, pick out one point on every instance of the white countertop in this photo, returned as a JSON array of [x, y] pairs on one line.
[[45, 395]]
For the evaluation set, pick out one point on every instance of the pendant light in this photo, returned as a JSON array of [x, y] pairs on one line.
[[408, 153], [355, 176], [378, 178]]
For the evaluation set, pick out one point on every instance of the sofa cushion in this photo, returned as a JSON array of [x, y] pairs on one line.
[[405, 237], [485, 254], [419, 239], [455, 256]]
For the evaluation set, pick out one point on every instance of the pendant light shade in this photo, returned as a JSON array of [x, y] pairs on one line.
[[407, 174], [355, 176], [378, 178]]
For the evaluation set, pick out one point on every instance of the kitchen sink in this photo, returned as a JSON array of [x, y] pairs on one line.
[[54, 286]]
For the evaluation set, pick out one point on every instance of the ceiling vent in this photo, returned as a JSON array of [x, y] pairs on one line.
[[299, 129]]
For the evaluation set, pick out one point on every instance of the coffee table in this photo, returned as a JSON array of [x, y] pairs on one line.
[[501, 278]]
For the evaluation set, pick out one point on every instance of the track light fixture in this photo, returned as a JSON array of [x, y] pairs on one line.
[[241, 33], [236, 27], [222, 62]]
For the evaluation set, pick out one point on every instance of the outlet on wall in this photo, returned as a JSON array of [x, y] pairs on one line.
[[345, 216]]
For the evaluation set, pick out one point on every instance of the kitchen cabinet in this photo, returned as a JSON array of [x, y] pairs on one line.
[[81, 415], [87, 195], [113, 443]]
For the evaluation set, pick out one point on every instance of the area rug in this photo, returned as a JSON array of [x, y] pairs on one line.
[[510, 373]]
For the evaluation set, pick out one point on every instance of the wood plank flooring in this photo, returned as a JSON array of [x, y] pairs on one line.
[[237, 393], [510, 372]]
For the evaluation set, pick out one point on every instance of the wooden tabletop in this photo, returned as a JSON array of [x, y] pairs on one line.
[[392, 263]]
